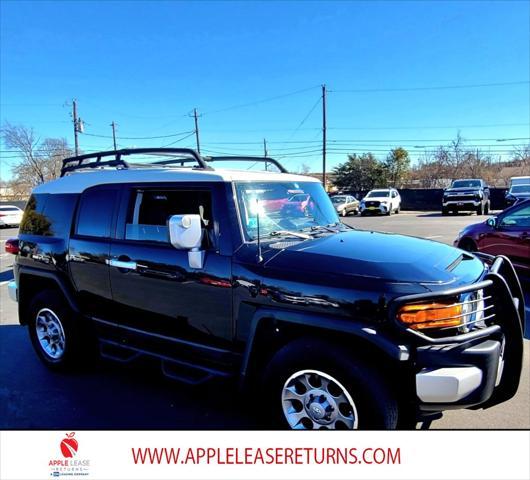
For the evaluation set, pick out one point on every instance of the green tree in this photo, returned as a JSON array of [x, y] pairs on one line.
[[360, 172], [397, 165]]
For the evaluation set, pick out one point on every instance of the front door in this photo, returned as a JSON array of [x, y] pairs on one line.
[[156, 294], [511, 236]]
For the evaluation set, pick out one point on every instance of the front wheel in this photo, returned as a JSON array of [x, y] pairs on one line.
[[312, 385], [480, 209]]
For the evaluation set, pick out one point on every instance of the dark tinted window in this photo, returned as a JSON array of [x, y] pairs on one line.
[[95, 213], [49, 215]]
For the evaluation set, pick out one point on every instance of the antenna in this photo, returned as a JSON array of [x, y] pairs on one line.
[[260, 257]]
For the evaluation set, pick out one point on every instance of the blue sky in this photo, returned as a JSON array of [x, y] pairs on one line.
[[146, 65]]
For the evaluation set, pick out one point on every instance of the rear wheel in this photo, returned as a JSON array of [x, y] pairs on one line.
[[55, 333], [312, 385], [487, 208], [480, 209], [445, 211]]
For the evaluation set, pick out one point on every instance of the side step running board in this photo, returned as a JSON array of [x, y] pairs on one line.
[[172, 368]]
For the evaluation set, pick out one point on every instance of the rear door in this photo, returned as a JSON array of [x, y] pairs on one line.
[[157, 296], [89, 248]]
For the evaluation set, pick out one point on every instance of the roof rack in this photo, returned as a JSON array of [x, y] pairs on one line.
[[95, 160], [246, 158]]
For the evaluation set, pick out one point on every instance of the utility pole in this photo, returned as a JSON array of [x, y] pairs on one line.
[[195, 116], [76, 126], [324, 137], [265, 153], [113, 125]]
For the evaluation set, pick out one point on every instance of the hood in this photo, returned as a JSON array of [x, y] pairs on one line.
[[385, 256], [376, 199], [519, 195]]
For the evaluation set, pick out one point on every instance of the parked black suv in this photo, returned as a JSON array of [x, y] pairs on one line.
[[220, 273], [468, 195]]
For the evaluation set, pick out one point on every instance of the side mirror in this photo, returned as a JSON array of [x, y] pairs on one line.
[[185, 233], [492, 222]]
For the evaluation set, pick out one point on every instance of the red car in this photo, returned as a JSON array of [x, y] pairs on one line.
[[508, 234]]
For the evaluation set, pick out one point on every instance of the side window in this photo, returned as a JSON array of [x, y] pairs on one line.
[[394, 194], [149, 211], [48, 214], [95, 213], [520, 218]]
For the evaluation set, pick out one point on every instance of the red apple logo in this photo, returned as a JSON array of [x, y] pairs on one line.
[[69, 445]]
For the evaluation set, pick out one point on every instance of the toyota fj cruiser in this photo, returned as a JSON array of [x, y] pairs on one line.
[[220, 273]]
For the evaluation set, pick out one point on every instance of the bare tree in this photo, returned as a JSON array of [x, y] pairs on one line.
[[40, 161]]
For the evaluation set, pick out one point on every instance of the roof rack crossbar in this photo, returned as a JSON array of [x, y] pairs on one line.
[[246, 158], [79, 162]]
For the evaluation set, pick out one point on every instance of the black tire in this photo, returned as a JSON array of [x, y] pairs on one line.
[[363, 214], [78, 344], [468, 245], [480, 209], [445, 211], [398, 209], [487, 208], [376, 406]]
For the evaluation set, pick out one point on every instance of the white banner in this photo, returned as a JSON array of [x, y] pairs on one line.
[[265, 455]]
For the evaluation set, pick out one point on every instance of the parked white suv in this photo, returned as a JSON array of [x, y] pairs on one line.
[[10, 215], [381, 200]]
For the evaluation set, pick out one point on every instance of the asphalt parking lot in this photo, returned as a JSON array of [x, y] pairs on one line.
[[113, 396]]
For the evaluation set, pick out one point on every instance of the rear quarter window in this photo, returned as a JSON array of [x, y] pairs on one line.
[[96, 210], [49, 215]]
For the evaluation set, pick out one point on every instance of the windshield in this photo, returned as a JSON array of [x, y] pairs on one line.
[[338, 199], [293, 206], [378, 193], [466, 183], [520, 189]]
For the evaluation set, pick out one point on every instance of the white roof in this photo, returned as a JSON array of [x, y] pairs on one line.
[[83, 179]]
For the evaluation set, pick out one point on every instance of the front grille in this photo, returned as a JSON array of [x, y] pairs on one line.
[[461, 198], [372, 203]]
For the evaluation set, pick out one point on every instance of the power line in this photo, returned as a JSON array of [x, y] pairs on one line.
[[139, 138], [438, 87], [257, 102], [492, 125], [179, 140]]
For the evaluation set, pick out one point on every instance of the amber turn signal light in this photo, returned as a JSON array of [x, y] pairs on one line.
[[431, 315]]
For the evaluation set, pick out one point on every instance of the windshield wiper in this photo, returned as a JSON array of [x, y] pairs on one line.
[[278, 233]]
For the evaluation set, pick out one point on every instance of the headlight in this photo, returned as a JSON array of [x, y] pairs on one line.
[[431, 315], [465, 313], [384, 202]]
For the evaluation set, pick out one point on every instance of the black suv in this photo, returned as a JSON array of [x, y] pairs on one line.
[[245, 274], [468, 195]]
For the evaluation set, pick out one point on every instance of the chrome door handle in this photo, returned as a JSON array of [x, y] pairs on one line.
[[121, 264]]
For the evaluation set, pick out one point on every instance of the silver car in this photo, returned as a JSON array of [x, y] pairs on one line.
[[345, 204]]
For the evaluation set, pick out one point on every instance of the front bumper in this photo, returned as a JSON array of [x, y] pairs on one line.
[[380, 209], [467, 204], [477, 369]]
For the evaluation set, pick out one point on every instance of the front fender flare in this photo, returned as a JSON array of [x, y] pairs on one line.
[[351, 327]]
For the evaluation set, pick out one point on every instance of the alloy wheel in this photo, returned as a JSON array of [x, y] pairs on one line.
[[50, 333], [314, 400]]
